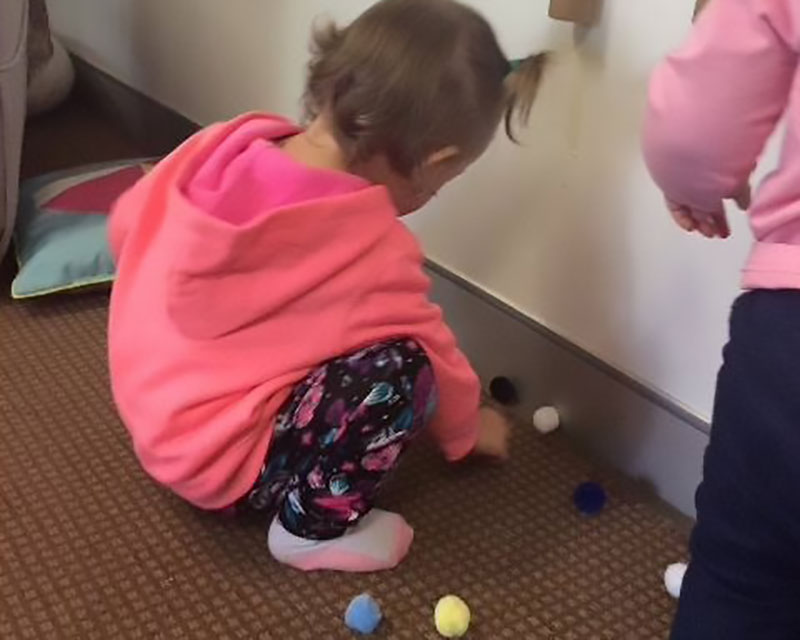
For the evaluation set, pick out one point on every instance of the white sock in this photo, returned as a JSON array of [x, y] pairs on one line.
[[379, 541]]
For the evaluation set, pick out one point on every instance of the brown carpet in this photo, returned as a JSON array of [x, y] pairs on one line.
[[90, 548]]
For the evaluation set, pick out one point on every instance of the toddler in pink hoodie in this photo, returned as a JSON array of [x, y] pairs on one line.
[[712, 107], [272, 345]]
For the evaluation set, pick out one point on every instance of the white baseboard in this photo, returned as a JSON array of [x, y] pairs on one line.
[[634, 428]]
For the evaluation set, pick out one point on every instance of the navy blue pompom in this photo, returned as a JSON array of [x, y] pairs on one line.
[[589, 498]]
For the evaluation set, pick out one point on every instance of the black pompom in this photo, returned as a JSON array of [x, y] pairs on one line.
[[504, 391]]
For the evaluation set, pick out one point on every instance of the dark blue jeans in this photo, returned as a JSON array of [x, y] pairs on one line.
[[743, 581]]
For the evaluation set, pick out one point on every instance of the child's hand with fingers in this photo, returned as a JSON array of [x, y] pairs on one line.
[[493, 435], [711, 224]]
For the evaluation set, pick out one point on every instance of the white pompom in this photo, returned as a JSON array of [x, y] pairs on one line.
[[546, 419], [673, 578]]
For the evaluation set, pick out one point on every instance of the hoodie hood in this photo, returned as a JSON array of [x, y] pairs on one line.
[[252, 215]]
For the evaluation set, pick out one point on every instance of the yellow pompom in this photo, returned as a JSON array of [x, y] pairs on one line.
[[452, 617]]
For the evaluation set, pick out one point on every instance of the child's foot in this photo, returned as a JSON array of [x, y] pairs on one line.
[[379, 541]]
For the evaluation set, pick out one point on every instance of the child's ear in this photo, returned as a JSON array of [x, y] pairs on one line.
[[442, 155]]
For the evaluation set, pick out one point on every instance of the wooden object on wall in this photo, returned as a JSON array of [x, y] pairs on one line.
[[699, 7], [579, 11]]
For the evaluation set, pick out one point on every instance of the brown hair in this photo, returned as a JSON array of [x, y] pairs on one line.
[[411, 77]]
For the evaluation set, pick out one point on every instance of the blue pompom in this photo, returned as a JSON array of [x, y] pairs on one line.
[[589, 498], [363, 614]]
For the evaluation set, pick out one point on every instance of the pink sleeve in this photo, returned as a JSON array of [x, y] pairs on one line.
[[714, 103], [455, 425], [395, 303]]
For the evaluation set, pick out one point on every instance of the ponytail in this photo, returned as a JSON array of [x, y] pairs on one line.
[[522, 87]]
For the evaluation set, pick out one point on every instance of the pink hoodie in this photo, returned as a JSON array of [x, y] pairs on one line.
[[238, 272], [714, 104]]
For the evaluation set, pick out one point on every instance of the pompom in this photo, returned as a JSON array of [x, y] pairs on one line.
[[504, 391], [452, 617], [589, 498], [673, 578], [546, 419], [363, 614]]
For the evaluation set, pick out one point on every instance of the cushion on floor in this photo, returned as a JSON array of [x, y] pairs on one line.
[[61, 229]]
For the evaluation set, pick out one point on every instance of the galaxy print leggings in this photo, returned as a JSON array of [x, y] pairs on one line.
[[341, 432]]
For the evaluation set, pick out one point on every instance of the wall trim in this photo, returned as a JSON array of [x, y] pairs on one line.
[[613, 418], [155, 127], [663, 400]]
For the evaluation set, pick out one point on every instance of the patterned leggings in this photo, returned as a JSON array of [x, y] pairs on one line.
[[338, 436]]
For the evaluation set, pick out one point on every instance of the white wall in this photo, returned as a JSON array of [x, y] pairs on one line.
[[567, 229]]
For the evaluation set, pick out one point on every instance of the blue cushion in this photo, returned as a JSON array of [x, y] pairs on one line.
[[61, 229]]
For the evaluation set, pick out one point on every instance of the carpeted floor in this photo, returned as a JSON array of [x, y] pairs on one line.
[[90, 548]]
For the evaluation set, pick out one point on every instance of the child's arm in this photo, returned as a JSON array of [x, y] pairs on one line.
[[714, 103], [456, 425], [395, 303]]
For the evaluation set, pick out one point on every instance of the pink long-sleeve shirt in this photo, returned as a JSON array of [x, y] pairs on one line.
[[240, 270], [712, 107]]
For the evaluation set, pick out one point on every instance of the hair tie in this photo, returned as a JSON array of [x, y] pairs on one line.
[[514, 65]]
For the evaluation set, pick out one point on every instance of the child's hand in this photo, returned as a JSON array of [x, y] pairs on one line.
[[712, 224], [493, 435]]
